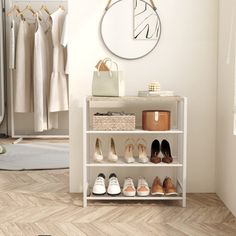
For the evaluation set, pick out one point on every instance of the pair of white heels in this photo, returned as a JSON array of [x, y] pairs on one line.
[[142, 151], [98, 155], [129, 151]]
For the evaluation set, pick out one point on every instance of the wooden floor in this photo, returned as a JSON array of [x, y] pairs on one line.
[[38, 203]]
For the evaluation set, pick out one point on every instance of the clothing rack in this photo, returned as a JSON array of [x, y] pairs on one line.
[[8, 6]]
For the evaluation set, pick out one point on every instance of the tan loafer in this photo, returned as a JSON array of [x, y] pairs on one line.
[[157, 188], [169, 187]]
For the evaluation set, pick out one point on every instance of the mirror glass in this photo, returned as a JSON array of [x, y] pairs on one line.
[[130, 29]]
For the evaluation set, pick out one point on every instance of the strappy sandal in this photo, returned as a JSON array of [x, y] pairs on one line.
[[129, 151], [142, 151]]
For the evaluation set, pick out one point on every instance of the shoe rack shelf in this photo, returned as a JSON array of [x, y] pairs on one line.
[[122, 163], [137, 131], [177, 132], [124, 198]]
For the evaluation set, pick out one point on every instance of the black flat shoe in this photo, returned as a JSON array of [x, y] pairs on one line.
[[165, 149], [155, 150]]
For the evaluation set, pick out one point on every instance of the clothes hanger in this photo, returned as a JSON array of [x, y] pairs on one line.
[[15, 8], [61, 7], [44, 7], [29, 8]]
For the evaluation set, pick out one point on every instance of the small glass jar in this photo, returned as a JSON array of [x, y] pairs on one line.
[[154, 87]]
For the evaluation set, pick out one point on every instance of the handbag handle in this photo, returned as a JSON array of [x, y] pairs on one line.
[[109, 4], [105, 60], [112, 62]]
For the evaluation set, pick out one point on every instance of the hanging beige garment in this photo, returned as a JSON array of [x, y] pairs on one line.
[[59, 84], [12, 49], [43, 119], [64, 41], [52, 116], [23, 99]]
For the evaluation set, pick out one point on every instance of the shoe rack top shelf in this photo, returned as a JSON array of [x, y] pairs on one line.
[[137, 131], [135, 99]]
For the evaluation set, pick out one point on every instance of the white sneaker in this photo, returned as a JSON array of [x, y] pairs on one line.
[[112, 156], [98, 157], [128, 188], [143, 189], [99, 187], [113, 186]]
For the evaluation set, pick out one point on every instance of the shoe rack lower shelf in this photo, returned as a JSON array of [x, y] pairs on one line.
[[122, 197]]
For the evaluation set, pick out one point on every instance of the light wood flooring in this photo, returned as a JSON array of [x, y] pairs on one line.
[[38, 203]]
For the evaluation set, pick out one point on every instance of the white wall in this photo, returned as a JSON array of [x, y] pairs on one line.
[[226, 142], [185, 61]]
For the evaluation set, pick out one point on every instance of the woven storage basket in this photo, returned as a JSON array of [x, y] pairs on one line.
[[114, 123]]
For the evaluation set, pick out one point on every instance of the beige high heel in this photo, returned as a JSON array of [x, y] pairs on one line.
[[98, 156], [142, 151], [112, 156], [129, 151]]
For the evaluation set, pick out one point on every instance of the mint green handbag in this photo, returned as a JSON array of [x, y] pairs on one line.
[[108, 83]]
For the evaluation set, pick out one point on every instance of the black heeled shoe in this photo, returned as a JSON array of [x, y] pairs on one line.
[[165, 149], [155, 150]]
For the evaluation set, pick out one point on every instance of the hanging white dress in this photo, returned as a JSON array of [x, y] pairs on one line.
[[23, 99], [53, 122], [43, 119], [64, 41], [59, 84]]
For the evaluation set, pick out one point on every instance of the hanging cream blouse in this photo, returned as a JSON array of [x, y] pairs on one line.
[[59, 83]]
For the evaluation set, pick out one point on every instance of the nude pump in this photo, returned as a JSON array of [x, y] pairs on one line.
[[112, 156], [98, 156]]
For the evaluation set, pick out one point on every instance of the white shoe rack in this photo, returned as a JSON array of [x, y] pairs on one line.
[[177, 137]]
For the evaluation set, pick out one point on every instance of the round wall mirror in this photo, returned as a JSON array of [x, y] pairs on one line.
[[130, 29]]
